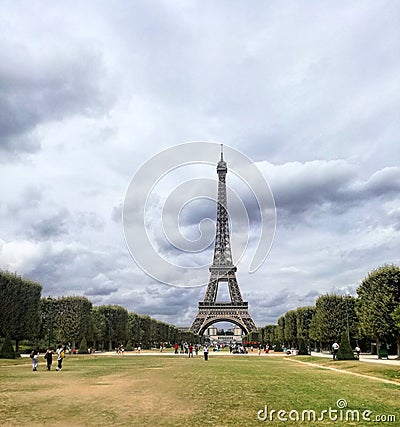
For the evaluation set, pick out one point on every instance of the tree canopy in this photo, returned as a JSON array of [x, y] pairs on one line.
[[378, 303]]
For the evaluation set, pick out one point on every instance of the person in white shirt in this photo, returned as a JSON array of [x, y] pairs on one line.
[[335, 349], [205, 352]]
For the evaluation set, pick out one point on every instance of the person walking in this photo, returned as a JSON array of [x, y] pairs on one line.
[[49, 358], [35, 359], [205, 352], [60, 357], [190, 350], [335, 349]]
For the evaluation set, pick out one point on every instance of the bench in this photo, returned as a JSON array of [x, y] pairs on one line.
[[383, 354]]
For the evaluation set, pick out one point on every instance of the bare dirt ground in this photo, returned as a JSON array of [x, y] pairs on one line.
[[68, 398]]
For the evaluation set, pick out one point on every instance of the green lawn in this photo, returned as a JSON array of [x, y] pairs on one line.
[[178, 391]]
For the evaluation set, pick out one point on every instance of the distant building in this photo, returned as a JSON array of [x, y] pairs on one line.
[[221, 336]]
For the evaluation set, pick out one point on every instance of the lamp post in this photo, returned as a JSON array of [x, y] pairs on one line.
[[50, 318], [347, 319]]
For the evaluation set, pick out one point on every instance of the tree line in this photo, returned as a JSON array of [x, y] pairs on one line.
[[374, 314], [44, 322]]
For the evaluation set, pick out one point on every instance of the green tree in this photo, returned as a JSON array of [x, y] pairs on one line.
[[7, 350], [83, 348], [19, 307], [396, 316], [281, 331], [134, 328], [153, 332], [144, 336], [333, 315], [116, 322], [47, 316], [304, 318], [72, 318], [254, 336], [97, 328], [378, 302], [270, 333], [290, 328], [345, 351]]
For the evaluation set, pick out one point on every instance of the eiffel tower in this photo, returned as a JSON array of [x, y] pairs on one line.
[[222, 270]]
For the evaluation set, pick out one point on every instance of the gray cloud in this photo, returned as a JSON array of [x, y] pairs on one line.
[[53, 226], [39, 84], [89, 92], [331, 185]]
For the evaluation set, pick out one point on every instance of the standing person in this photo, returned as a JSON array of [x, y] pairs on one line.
[[35, 359], [205, 352], [49, 358], [176, 347], [190, 348], [358, 351], [335, 349], [196, 349], [60, 357]]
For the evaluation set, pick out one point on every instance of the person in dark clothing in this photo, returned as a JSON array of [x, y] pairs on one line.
[[49, 358]]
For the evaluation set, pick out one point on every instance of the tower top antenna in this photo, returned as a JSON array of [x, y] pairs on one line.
[[222, 152]]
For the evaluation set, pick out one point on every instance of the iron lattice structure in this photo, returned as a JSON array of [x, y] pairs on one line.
[[222, 270]]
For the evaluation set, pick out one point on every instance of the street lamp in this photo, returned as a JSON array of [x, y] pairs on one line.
[[347, 318], [50, 318]]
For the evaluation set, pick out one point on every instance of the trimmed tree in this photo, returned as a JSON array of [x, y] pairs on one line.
[[7, 350], [116, 324], [83, 348], [72, 318], [303, 350], [304, 318], [19, 307], [345, 351], [379, 298], [290, 328]]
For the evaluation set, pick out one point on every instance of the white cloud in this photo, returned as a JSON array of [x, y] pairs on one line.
[[91, 90]]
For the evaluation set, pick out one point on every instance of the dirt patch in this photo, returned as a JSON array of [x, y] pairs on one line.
[[101, 400], [122, 392]]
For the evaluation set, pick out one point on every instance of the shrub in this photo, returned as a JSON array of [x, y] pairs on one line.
[[345, 351], [83, 348], [7, 350], [302, 347]]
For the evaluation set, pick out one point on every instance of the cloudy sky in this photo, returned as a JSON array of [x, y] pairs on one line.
[[90, 91]]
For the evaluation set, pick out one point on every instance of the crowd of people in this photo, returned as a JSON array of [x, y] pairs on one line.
[[185, 348]]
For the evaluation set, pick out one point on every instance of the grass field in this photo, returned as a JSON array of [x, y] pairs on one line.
[[178, 391]]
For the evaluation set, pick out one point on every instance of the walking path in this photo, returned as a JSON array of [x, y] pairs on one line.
[[343, 371], [364, 358]]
